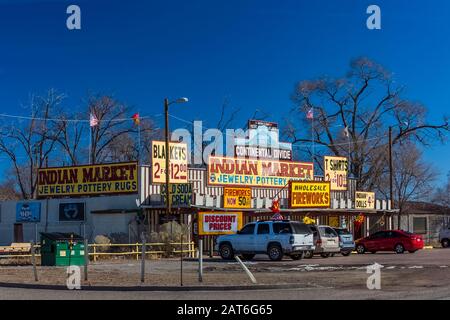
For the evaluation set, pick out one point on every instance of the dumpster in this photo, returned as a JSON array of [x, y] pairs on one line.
[[62, 249]]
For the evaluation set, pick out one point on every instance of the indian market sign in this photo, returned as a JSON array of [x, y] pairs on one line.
[[217, 223], [237, 198], [365, 200], [91, 180], [335, 171], [180, 194], [309, 194], [256, 173], [178, 166]]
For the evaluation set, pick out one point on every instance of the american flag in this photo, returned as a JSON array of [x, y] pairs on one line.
[[310, 114], [93, 121]]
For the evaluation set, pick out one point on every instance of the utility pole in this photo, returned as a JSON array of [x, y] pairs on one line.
[[391, 177], [167, 154]]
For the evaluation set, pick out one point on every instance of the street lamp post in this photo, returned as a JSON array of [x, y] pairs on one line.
[[167, 153]]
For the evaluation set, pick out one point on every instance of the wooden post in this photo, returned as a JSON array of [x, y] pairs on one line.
[[143, 258], [86, 259], [200, 259], [137, 251], [95, 251], [33, 261]]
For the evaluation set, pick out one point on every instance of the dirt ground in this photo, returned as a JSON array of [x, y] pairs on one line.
[[425, 269]]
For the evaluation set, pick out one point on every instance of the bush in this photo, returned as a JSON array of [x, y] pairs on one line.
[[101, 239]]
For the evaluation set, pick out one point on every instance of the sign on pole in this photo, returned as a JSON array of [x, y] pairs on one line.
[[178, 168], [309, 194], [365, 200], [237, 198], [217, 223], [335, 171]]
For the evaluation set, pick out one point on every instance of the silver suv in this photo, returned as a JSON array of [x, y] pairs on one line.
[[274, 238], [326, 242]]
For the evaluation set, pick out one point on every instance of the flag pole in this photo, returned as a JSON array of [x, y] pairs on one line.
[[90, 142], [312, 135]]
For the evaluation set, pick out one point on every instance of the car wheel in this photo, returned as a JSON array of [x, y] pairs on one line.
[[346, 253], [308, 254], [445, 243], [325, 255], [297, 256], [399, 248], [226, 252], [360, 249], [274, 252], [248, 256]]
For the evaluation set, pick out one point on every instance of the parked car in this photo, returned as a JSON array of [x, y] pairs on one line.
[[391, 240], [326, 241], [346, 242], [444, 237], [274, 238]]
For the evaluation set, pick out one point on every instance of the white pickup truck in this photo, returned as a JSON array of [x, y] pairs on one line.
[[444, 237], [274, 238]]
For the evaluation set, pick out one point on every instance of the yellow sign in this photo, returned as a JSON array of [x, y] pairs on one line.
[[216, 223], [365, 200], [178, 167], [237, 198], [309, 194], [335, 171], [102, 179], [258, 173]]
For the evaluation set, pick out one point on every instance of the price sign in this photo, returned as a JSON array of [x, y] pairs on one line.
[[178, 167], [335, 171], [237, 198]]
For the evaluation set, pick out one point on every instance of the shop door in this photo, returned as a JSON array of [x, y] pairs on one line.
[[18, 233]]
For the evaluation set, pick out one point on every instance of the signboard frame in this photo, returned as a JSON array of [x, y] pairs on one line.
[[309, 207], [208, 173], [37, 206], [368, 193], [162, 163], [334, 186], [245, 189], [90, 194], [240, 220]]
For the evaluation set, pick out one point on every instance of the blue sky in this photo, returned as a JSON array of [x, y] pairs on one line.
[[249, 52]]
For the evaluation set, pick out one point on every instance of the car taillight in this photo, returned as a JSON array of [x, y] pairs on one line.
[[291, 240]]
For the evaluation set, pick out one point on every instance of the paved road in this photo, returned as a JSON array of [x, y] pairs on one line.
[[423, 275]]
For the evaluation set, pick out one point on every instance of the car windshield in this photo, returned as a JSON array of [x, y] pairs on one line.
[[300, 228], [342, 231]]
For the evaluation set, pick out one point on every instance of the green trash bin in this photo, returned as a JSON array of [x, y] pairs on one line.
[[62, 249]]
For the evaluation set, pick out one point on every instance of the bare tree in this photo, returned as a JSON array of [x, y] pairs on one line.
[[352, 115], [115, 130], [413, 177], [72, 128], [29, 146]]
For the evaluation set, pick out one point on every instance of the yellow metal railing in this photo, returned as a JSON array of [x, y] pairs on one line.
[[135, 249]]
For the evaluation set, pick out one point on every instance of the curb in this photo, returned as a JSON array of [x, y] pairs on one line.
[[157, 288]]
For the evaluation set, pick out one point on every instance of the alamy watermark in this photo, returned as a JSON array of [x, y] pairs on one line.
[[374, 280], [73, 281]]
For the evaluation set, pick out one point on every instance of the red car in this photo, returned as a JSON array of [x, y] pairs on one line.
[[392, 240]]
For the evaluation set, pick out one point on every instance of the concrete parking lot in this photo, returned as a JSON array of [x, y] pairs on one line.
[[423, 275]]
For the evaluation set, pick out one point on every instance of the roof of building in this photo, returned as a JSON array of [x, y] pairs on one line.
[[419, 207]]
